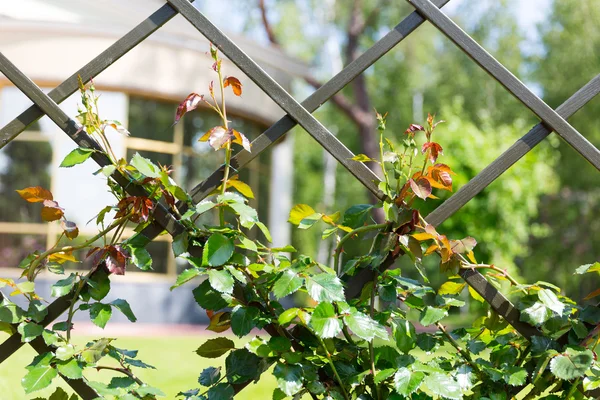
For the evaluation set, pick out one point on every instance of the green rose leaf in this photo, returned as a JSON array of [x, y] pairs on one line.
[[221, 280], [125, 308], [572, 363], [145, 166], [243, 319], [325, 322], [209, 376], [287, 284], [100, 314], [242, 366], [431, 315], [71, 369], [405, 335], [536, 314], [218, 250], [248, 215], [187, 275], [550, 300], [356, 216], [515, 376], [325, 287], [10, 312], [215, 348], [75, 157], [141, 258], [37, 311], [29, 331], [363, 326], [407, 381], [289, 378], [98, 285], [180, 244], [208, 298], [222, 391], [443, 385], [65, 352], [38, 378], [63, 287]]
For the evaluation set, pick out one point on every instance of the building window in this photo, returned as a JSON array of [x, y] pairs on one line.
[[154, 136]]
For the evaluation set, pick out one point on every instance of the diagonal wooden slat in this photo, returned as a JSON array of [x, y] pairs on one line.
[[38, 344], [317, 98], [311, 103], [478, 54], [512, 155], [279, 95], [90, 70]]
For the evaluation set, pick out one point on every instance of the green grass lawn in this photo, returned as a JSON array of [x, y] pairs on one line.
[[177, 367]]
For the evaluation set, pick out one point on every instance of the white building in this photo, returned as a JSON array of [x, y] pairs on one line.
[[50, 40]]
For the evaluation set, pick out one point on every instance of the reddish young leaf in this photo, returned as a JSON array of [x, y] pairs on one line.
[[35, 194], [217, 137], [241, 140], [70, 228], [421, 188], [235, 84], [216, 66], [190, 103], [430, 120], [410, 131], [116, 260], [595, 293], [434, 150]]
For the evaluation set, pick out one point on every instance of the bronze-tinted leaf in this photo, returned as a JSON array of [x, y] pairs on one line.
[[52, 213], [434, 150], [235, 84], [220, 322], [190, 103], [410, 131], [241, 140], [463, 246], [70, 228], [35, 194], [218, 137], [116, 260], [421, 187]]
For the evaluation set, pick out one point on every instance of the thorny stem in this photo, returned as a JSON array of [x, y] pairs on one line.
[[457, 346], [344, 239], [337, 376], [123, 370], [88, 242], [385, 174]]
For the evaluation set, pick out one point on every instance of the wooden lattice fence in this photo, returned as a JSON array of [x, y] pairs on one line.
[[300, 113]]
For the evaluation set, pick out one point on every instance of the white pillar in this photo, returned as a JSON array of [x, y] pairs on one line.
[[281, 191]]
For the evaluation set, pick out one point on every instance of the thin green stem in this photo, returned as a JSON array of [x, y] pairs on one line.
[[385, 174], [80, 286], [457, 346], [573, 388], [335, 372], [88, 242], [123, 370], [344, 239]]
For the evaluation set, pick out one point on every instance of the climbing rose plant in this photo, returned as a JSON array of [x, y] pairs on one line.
[[335, 347]]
